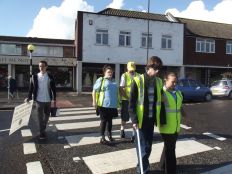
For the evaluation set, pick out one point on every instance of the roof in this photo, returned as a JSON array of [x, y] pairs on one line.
[[208, 29], [36, 40], [134, 14]]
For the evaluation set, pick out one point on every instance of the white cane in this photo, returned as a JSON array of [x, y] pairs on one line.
[[140, 155]]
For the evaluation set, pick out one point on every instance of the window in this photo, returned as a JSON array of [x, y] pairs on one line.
[[229, 47], [10, 49], [166, 42], [102, 37], [48, 51], [205, 45], [146, 37], [124, 38]]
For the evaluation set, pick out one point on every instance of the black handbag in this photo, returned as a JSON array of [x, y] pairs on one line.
[[54, 112]]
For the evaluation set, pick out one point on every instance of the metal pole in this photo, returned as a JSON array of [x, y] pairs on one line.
[[30, 64], [140, 154], [148, 27]]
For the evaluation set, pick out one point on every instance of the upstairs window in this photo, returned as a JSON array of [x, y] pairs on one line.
[[48, 51], [10, 49], [101, 37], [205, 45], [229, 47], [166, 42], [124, 38], [146, 37]]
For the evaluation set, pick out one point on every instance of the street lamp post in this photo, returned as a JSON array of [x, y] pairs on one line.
[[30, 48]]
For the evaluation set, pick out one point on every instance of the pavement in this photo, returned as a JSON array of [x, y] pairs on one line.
[[64, 100]]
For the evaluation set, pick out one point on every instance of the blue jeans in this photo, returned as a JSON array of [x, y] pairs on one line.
[[146, 137]]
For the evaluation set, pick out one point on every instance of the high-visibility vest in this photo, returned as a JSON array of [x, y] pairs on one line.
[[101, 94], [173, 113], [140, 101], [128, 81]]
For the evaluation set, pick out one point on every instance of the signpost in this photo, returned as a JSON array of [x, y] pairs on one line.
[[21, 116]]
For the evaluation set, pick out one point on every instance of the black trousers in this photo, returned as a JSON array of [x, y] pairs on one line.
[[106, 115], [168, 156], [43, 113]]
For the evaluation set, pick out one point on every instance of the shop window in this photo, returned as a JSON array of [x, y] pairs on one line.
[[3, 76]]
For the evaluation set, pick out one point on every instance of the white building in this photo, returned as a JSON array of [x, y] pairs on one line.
[[115, 37]]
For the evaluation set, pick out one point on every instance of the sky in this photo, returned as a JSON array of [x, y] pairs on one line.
[[56, 18]]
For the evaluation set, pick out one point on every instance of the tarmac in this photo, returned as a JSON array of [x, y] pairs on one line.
[[63, 100]]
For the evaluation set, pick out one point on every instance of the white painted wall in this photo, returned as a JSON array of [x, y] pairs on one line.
[[117, 54]]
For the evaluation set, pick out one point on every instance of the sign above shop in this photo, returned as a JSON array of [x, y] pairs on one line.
[[23, 60]]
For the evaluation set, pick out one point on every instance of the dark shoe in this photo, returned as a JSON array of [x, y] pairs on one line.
[[43, 136], [122, 133], [103, 141], [133, 139], [110, 138]]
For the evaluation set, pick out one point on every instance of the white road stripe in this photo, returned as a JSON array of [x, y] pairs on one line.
[[4, 130], [222, 170], [185, 127], [77, 112], [34, 168], [93, 138], [77, 109], [26, 133], [214, 136], [79, 117], [125, 159], [29, 148], [82, 125], [76, 159]]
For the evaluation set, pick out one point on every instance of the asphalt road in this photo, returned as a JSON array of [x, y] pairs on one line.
[[55, 155]]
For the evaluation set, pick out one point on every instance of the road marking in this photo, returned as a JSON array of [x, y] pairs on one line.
[[4, 130], [29, 148], [77, 112], [93, 138], [62, 118], [222, 170], [214, 136], [67, 146], [125, 159], [82, 125], [34, 168], [76, 109], [26, 133], [185, 127], [76, 159], [217, 148]]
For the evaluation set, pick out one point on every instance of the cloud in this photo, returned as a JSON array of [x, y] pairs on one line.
[[140, 8], [196, 10], [118, 4], [58, 22]]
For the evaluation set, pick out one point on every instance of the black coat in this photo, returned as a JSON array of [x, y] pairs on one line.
[[33, 89]]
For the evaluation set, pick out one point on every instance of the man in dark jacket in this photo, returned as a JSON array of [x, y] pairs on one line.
[[12, 86], [145, 105], [42, 90]]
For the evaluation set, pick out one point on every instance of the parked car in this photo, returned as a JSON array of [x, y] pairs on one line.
[[192, 90], [222, 88]]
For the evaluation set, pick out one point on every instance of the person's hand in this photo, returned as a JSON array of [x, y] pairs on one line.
[[26, 100], [135, 126]]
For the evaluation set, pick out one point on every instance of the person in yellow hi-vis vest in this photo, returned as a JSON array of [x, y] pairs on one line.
[[169, 131], [125, 88], [106, 101], [144, 108]]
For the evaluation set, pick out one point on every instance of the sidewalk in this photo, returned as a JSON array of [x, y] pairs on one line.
[[64, 100]]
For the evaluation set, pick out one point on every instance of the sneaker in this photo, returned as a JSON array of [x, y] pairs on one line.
[[103, 141], [122, 133]]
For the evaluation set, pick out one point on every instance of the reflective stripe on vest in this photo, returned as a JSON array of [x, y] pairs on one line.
[[140, 101], [100, 93], [173, 114], [128, 81]]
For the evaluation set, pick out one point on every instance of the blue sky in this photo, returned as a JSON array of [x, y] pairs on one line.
[[17, 17]]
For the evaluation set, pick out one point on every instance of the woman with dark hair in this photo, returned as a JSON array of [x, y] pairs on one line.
[[105, 97]]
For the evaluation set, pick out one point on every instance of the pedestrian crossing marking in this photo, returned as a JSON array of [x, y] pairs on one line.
[[79, 117], [34, 168], [76, 109], [126, 159], [29, 148], [93, 138], [214, 136], [26, 133], [77, 112]]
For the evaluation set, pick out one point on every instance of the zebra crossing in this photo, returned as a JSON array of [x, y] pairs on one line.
[[84, 127]]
